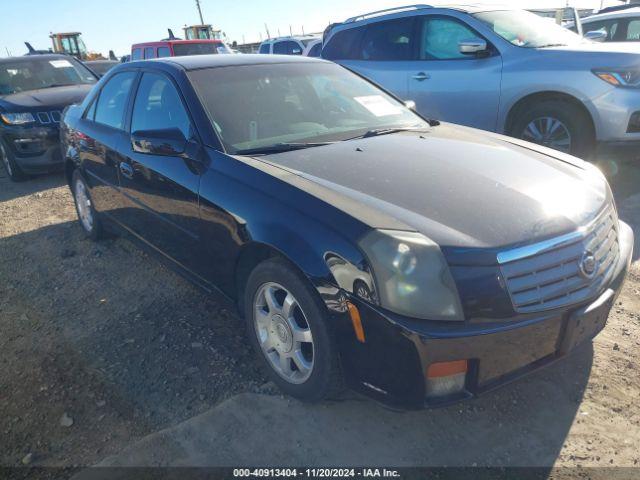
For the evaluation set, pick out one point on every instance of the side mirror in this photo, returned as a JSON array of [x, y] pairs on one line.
[[472, 46], [410, 104], [169, 142], [596, 35]]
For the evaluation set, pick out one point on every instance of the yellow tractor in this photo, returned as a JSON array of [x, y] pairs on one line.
[[201, 32], [70, 43]]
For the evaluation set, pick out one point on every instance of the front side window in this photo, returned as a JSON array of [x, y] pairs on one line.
[[391, 40], [440, 38], [294, 103], [41, 72], [610, 27], [528, 30], [287, 48], [158, 106], [112, 101]]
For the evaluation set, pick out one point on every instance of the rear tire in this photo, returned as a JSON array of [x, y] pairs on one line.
[[87, 215], [10, 165], [556, 124], [287, 325]]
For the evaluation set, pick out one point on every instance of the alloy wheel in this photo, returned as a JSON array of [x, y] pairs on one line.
[[83, 204], [550, 132], [283, 333]]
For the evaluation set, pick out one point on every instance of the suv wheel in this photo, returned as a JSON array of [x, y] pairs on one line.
[[8, 162], [287, 326], [556, 124], [87, 215]]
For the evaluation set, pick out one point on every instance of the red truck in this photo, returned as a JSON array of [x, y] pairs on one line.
[[175, 47]]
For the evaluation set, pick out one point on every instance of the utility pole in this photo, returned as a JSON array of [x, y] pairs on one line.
[[200, 12]]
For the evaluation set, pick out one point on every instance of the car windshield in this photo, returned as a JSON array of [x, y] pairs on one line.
[[262, 106], [204, 48], [528, 30], [38, 72]]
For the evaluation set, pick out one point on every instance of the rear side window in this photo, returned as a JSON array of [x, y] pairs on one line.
[[264, 48], [440, 38], [137, 54], [149, 52], [633, 32], [287, 48], [391, 40], [164, 52], [343, 45], [158, 106], [112, 101]]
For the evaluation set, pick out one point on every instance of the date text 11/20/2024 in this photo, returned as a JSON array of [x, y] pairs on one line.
[[316, 472]]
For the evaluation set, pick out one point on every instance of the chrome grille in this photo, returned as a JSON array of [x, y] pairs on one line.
[[549, 275]]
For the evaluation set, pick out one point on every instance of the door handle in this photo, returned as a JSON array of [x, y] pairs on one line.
[[126, 170], [421, 76]]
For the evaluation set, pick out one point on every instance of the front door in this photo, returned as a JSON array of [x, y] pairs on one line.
[[161, 190], [451, 86]]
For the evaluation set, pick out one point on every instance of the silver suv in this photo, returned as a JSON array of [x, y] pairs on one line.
[[507, 71]]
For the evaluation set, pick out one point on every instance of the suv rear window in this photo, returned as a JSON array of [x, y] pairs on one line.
[[391, 40]]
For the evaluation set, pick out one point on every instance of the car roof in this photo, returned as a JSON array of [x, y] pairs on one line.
[[294, 37], [199, 62], [27, 58], [629, 12]]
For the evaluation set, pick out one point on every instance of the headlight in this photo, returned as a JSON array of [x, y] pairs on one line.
[[627, 78], [412, 277], [17, 118]]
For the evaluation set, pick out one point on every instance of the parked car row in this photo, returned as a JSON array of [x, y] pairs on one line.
[[362, 239]]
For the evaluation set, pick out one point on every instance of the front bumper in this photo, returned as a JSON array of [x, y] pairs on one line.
[[613, 112], [35, 149], [391, 364]]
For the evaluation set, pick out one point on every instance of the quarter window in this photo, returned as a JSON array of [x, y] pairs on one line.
[[112, 101], [391, 40], [264, 48], [440, 37], [158, 106]]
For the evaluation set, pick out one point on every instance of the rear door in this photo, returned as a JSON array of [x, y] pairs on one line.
[[161, 190], [449, 85], [103, 126]]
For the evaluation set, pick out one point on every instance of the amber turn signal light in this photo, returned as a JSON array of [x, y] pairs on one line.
[[356, 322]]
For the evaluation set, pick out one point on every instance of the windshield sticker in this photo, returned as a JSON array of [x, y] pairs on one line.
[[378, 105], [61, 63]]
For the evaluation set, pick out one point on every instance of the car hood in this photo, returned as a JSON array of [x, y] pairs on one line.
[[35, 100], [459, 186]]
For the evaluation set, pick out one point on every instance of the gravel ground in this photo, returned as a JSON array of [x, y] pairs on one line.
[[101, 345]]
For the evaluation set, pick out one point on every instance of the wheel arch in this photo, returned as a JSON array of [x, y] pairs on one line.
[[532, 98]]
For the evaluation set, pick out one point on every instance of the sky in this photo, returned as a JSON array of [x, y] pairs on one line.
[[117, 24]]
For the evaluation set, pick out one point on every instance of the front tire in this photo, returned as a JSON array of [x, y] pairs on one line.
[[87, 215], [556, 124], [288, 327], [13, 170]]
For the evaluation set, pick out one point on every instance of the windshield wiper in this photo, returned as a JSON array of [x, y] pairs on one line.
[[280, 147], [376, 132]]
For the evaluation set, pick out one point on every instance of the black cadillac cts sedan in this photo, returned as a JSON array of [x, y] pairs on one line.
[[421, 262]]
